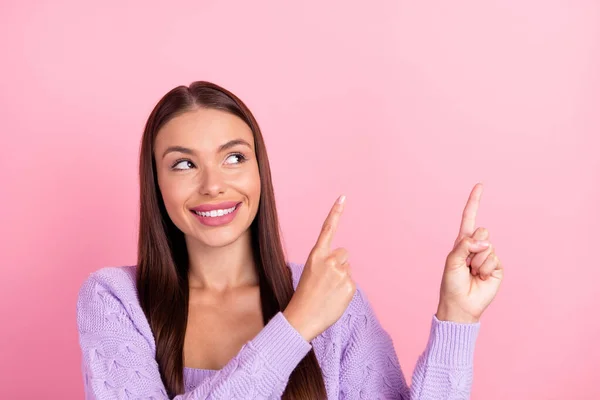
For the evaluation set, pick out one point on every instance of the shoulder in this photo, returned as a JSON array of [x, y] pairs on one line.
[[118, 281], [108, 294]]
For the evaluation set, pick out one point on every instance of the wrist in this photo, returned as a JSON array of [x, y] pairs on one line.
[[453, 314], [297, 324]]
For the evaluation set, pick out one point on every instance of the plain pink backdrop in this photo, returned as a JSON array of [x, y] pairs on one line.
[[403, 106]]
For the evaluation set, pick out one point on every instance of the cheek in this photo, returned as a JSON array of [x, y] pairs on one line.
[[174, 192], [254, 187], [249, 185]]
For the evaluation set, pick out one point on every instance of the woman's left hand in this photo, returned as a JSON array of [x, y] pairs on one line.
[[473, 271]]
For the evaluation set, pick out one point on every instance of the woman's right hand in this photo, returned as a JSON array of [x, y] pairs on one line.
[[325, 288]]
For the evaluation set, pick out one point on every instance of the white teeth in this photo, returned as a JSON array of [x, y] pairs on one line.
[[216, 213]]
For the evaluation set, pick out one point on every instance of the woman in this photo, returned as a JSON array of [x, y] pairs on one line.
[[213, 311]]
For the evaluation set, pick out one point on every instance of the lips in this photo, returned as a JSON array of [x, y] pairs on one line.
[[219, 206], [214, 215]]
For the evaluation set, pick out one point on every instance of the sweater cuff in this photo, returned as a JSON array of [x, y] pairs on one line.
[[451, 343], [281, 345]]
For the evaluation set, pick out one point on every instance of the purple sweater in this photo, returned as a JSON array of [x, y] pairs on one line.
[[356, 355]]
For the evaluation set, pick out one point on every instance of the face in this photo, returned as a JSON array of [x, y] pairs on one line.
[[208, 175]]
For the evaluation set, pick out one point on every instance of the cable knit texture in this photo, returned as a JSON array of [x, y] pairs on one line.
[[356, 354]]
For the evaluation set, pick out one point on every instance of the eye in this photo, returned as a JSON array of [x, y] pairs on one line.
[[236, 158], [182, 165]]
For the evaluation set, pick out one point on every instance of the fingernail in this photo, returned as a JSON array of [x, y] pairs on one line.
[[341, 199], [482, 243]]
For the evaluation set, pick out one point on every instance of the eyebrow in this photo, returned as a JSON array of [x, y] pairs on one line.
[[233, 143], [223, 147]]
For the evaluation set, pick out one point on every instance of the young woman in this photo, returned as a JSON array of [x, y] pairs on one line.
[[212, 310]]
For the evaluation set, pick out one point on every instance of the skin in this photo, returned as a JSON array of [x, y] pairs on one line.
[[473, 272], [224, 292]]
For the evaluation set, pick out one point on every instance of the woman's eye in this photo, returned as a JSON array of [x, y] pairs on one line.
[[183, 164], [236, 158]]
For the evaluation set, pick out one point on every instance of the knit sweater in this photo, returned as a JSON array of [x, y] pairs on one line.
[[356, 355]]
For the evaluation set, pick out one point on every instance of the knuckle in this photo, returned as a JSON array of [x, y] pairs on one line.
[[497, 261], [345, 271], [349, 287], [343, 254], [331, 262], [352, 287], [484, 273], [465, 242], [491, 264], [327, 227], [348, 271]]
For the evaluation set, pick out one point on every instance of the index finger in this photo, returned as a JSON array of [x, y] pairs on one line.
[[331, 223], [467, 225]]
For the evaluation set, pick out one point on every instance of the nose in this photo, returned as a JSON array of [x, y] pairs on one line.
[[211, 182]]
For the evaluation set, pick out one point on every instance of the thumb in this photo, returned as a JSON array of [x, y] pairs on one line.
[[465, 247]]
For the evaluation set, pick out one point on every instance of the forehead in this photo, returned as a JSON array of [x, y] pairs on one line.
[[204, 129]]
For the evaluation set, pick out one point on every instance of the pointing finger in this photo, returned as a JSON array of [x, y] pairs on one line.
[[467, 225], [331, 223]]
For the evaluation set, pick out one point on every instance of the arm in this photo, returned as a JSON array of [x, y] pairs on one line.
[[118, 359], [370, 368]]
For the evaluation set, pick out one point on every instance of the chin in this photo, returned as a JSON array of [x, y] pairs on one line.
[[220, 240], [220, 237]]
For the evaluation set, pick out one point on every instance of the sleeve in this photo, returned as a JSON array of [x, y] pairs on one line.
[[370, 367], [118, 360]]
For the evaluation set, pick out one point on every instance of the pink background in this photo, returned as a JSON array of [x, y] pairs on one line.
[[403, 106]]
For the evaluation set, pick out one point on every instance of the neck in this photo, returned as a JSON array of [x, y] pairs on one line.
[[221, 268]]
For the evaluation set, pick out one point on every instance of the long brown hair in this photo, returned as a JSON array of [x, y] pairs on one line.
[[162, 271]]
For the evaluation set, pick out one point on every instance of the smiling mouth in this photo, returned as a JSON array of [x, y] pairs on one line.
[[216, 212]]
